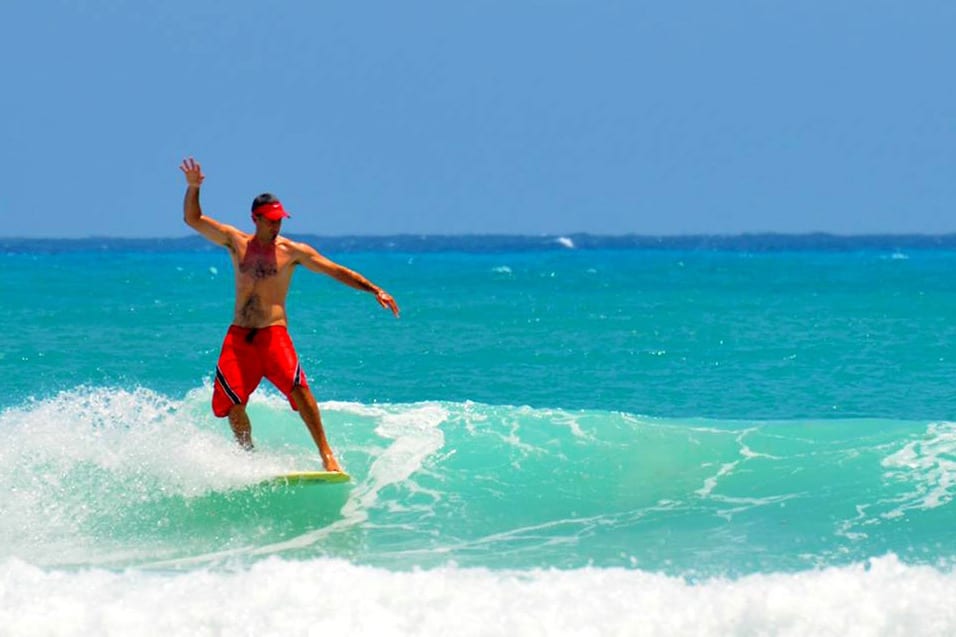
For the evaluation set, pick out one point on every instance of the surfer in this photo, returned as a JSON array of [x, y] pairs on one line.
[[257, 344]]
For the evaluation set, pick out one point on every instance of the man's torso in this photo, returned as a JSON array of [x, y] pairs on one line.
[[263, 275]]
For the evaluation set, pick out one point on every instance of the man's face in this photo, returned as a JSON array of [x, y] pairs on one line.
[[267, 228]]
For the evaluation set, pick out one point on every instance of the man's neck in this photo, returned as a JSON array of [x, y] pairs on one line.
[[263, 241]]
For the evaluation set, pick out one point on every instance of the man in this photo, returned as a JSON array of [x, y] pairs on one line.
[[257, 344]]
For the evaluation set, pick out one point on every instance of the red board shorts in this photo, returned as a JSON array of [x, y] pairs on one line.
[[249, 355]]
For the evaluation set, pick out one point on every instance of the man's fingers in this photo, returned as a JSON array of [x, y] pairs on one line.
[[192, 170], [386, 301]]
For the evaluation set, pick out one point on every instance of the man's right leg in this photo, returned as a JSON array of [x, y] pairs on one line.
[[237, 375], [241, 427]]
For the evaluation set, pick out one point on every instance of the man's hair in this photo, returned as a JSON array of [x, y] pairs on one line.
[[264, 198]]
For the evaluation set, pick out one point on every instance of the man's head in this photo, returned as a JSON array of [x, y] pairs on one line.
[[267, 214], [268, 207]]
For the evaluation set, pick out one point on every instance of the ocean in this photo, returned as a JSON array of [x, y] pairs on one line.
[[561, 435]]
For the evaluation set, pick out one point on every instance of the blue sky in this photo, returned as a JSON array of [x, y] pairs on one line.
[[481, 116]]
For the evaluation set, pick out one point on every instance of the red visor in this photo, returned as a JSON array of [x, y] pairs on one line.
[[272, 211]]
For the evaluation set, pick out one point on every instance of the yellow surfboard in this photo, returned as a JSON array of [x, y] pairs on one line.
[[312, 477]]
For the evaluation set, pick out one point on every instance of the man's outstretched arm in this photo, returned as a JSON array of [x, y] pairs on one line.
[[311, 259], [216, 232]]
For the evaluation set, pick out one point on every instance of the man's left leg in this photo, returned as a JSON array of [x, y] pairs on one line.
[[309, 410]]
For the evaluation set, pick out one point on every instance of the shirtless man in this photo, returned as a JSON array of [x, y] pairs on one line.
[[257, 344]]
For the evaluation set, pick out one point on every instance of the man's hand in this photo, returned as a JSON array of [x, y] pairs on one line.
[[193, 172], [385, 300]]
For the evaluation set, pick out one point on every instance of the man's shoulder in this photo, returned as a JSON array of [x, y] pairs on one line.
[[235, 238], [293, 247]]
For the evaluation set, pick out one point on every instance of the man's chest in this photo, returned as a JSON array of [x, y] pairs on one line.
[[263, 265]]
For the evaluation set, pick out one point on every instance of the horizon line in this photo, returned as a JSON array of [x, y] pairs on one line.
[[548, 235]]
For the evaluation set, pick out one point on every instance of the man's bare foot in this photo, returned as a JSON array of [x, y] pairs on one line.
[[331, 464]]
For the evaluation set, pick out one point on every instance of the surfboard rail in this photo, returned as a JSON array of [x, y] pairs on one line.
[[307, 477]]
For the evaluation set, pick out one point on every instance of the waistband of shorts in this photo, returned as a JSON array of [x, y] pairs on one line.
[[242, 331]]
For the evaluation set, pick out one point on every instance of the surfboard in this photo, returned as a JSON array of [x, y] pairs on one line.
[[312, 477]]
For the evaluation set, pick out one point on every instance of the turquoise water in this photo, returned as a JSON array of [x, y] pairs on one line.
[[646, 441]]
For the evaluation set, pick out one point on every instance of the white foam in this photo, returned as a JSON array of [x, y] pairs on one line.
[[329, 596], [928, 469], [710, 483]]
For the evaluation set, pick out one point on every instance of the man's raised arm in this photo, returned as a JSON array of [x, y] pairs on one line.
[[216, 232]]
